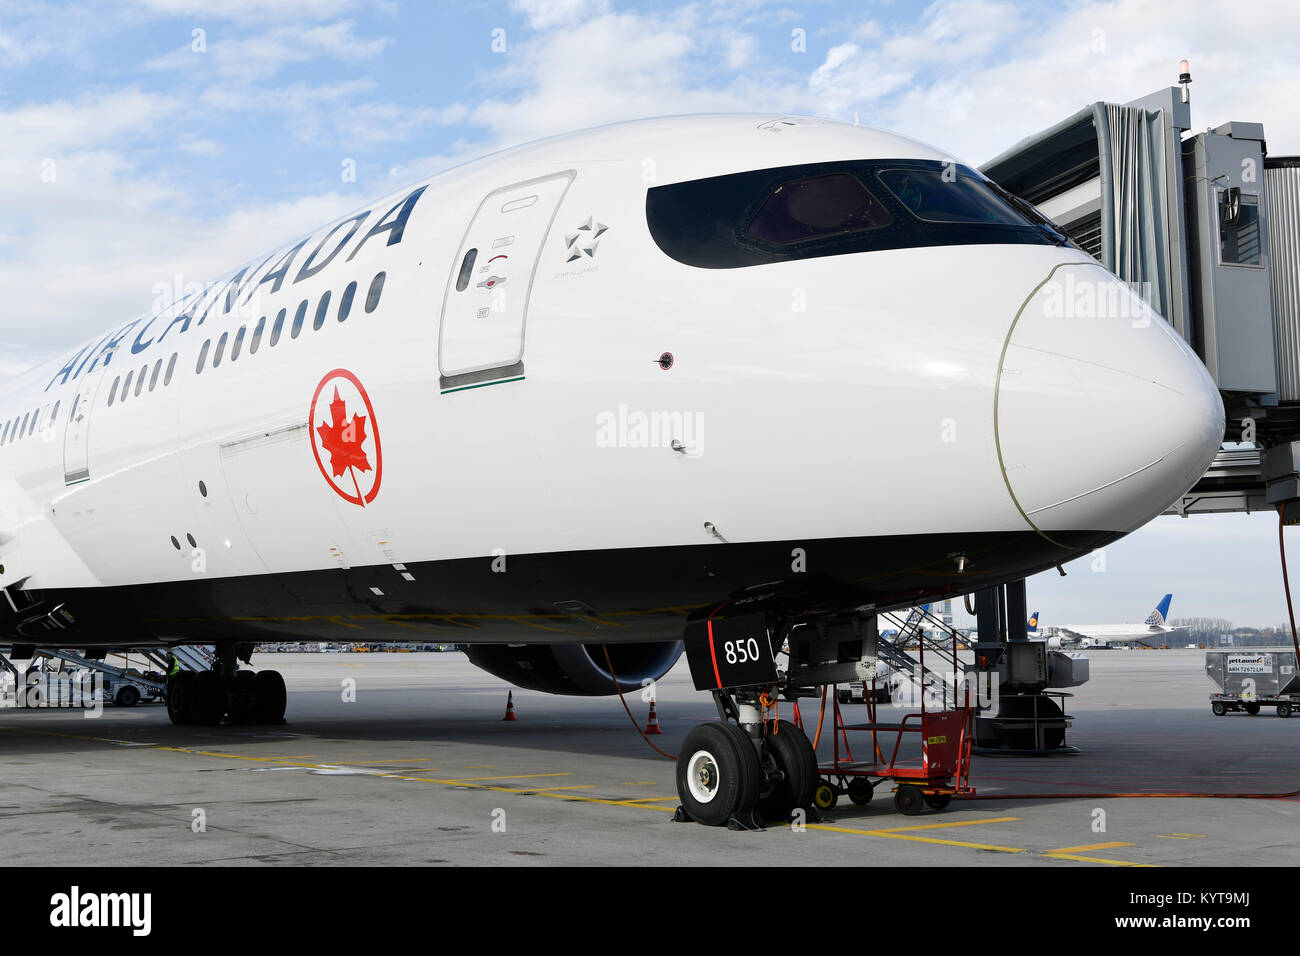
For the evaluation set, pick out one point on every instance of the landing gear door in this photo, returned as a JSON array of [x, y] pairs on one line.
[[76, 450], [484, 310]]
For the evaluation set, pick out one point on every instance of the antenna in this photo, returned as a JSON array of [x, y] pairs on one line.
[[1184, 76]]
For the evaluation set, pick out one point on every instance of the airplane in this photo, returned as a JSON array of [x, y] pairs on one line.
[[1103, 635], [475, 411]]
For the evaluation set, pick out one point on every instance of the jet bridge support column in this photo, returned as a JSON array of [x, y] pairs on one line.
[[1023, 720]]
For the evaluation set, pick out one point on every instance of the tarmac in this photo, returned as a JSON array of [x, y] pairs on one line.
[[405, 759]]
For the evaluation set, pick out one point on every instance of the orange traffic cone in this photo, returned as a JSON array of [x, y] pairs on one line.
[[652, 722], [510, 707]]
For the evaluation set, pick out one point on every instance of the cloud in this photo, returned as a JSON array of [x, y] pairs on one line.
[[977, 77], [88, 231], [545, 14], [606, 69], [740, 50], [256, 11], [19, 51], [246, 59]]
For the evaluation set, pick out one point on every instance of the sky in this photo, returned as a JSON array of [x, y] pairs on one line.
[[149, 144]]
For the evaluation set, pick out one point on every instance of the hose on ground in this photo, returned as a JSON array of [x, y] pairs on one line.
[[610, 664]]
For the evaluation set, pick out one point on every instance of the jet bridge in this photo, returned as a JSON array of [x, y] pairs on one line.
[[1206, 228]]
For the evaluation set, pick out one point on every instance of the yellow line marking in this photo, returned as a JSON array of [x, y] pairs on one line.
[[1095, 859], [649, 799], [956, 823], [359, 763], [1181, 836], [511, 776], [575, 786], [919, 839], [1091, 846]]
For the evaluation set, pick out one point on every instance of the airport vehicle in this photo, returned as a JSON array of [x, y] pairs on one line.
[[63, 678], [1104, 635], [476, 411], [1251, 678]]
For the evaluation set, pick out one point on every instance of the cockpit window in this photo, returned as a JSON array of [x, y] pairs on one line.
[[815, 208], [829, 209], [947, 195]]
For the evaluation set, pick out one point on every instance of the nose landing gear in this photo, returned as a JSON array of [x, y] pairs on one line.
[[741, 770]]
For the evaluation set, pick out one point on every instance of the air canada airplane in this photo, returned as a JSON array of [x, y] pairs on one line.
[[1102, 635], [575, 402]]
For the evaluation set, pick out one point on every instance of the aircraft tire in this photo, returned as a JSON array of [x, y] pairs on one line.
[[789, 748], [180, 696], [209, 700], [269, 697], [717, 773], [243, 698]]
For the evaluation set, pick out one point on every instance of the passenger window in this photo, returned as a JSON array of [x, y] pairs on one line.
[[298, 318], [239, 342], [112, 392], [221, 350], [466, 270], [949, 194], [153, 379], [376, 290], [277, 328], [54, 415], [171, 367], [203, 357], [816, 208], [321, 310], [139, 382], [345, 302], [126, 385], [257, 336]]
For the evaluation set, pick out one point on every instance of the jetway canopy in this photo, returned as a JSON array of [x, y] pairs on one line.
[[1206, 228]]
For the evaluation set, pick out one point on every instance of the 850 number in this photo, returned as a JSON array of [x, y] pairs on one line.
[[741, 652]]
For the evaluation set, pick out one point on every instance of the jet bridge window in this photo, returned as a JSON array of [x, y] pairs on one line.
[[829, 209], [1239, 239]]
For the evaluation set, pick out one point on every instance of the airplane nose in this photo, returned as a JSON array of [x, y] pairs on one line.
[[1104, 415]]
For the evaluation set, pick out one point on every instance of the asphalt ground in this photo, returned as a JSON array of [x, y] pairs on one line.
[[404, 759]]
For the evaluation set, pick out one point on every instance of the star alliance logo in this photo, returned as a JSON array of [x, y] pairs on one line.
[[584, 242]]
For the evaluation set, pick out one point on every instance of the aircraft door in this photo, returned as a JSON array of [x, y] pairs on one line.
[[76, 448], [481, 336]]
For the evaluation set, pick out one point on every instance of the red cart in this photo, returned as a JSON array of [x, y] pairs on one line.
[[942, 772]]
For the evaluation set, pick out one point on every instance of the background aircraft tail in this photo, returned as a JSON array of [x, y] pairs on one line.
[[1161, 611], [1033, 623]]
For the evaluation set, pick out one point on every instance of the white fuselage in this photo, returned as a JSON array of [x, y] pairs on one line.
[[932, 394], [1108, 633]]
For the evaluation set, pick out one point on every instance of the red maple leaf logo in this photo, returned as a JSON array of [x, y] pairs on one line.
[[343, 439]]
